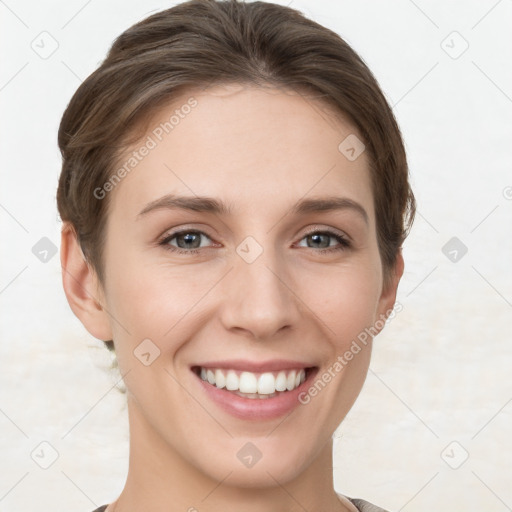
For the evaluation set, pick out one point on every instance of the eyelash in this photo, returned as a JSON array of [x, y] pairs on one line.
[[344, 243]]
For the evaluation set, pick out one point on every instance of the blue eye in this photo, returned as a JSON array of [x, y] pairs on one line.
[[189, 241], [320, 240]]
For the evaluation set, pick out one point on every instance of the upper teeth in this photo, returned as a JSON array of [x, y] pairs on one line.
[[249, 382]]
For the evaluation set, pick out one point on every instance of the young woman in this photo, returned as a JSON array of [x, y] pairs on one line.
[[234, 196]]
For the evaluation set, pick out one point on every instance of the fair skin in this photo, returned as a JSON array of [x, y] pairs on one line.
[[260, 152]]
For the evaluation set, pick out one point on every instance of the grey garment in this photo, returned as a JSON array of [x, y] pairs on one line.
[[362, 506], [365, 506]]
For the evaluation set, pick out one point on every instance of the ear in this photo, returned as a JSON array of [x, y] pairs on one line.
[[388, 296], [82, 287]]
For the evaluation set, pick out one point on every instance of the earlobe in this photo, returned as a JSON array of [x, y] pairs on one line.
[[81, 286]]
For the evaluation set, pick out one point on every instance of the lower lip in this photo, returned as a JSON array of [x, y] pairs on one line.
[[256, 408]]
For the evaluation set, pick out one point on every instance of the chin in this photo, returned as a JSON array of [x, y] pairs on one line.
[[258, 463]]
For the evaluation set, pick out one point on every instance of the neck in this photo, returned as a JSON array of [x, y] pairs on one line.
[[161, 480]]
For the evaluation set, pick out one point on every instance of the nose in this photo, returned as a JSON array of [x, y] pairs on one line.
[[259, 299]]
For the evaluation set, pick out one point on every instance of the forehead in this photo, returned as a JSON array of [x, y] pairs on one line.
[[249, 146]]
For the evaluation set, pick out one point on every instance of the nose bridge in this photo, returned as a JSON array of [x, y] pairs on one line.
[[257, 298]]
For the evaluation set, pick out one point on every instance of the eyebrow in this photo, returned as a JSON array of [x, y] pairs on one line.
[[212, 205]]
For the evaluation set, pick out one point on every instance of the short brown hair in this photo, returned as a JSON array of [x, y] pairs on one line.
[[202, 42]]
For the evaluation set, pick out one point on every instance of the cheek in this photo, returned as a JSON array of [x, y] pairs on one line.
[[345, 300], [155, 301]]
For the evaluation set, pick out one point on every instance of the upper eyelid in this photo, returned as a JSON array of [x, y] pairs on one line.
[[329, 230], [170, 236]]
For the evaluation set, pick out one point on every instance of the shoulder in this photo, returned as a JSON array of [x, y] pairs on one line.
[[363, 505]]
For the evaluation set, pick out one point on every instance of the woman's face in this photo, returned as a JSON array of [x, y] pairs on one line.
[[260, 277]]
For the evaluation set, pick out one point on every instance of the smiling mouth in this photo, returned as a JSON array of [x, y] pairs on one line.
[[254, 385]]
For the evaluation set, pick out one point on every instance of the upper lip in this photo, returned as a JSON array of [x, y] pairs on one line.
[[255, 366]]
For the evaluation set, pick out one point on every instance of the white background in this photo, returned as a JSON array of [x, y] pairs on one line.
[[439, 386]]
